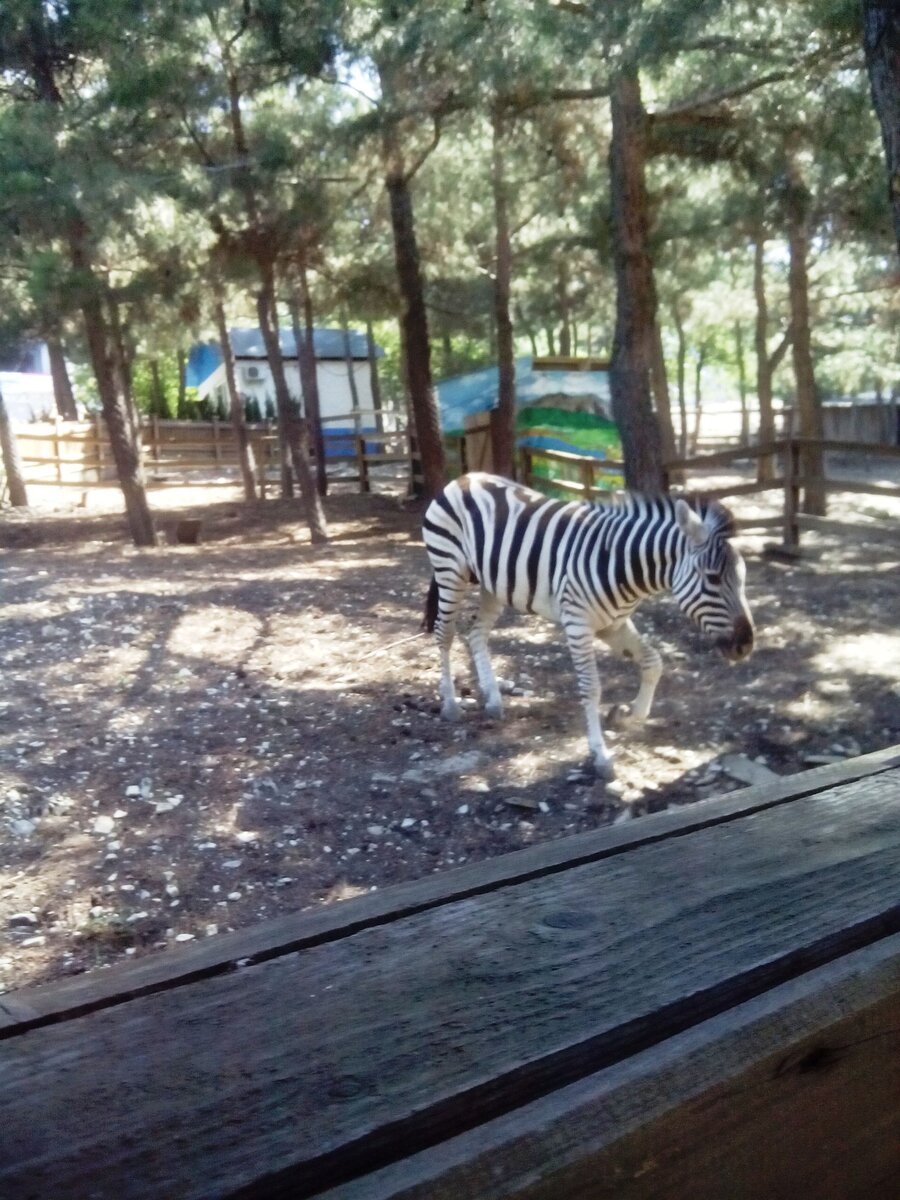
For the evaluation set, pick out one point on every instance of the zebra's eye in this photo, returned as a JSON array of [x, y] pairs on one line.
[[714, 577]]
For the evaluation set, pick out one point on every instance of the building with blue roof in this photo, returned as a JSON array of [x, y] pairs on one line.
[[206, 372]]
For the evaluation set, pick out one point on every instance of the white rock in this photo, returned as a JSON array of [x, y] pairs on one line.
[[463, 809], [184, 937], [104, 824]]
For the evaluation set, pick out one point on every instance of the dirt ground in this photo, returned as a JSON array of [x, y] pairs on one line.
[[198, 737]]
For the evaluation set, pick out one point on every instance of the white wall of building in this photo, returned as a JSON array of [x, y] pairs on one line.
[[254, 379]]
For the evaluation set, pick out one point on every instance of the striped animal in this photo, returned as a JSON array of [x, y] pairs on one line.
[[585, 566]]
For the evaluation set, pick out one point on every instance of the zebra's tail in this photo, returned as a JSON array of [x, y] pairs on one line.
[[431, 607]]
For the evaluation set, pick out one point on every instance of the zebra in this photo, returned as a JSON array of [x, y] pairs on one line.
[[586, 567]]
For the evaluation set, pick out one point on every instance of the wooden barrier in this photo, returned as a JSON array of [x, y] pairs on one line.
[[789, 483], [700, 1004], [78, 453]]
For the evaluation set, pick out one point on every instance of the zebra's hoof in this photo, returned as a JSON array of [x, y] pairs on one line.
[[494, 711], [605, 771], [506, 687], [620, 716], [451, 713]]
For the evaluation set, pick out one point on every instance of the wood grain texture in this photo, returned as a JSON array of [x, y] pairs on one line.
[[792, 1094], [291, 1076], [74, 997]]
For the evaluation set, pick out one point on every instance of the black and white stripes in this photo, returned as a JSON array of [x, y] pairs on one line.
[[586, 567]]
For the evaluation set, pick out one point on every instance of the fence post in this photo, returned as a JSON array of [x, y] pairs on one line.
[[362, 463], [525, 452], [586, 471], [217, 449], [791, 495]]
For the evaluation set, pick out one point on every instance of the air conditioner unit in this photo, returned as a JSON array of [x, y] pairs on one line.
[[252, 374]]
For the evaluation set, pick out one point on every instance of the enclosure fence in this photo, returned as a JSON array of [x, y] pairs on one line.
[[788, 478], [203, 453]]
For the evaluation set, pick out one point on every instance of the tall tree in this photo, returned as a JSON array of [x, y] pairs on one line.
[[63, 168], [881, 38]]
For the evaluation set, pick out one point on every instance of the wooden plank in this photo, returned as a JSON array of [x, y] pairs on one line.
[[330, 1063], [868, 449], [70, 998], [722, 457], [753, 1103]]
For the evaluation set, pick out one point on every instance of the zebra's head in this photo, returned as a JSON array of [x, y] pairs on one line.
[[708, 580]]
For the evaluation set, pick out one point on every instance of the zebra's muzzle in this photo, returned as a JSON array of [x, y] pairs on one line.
[[739, 643]]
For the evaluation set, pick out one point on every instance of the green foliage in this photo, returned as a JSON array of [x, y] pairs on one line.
[[139, 147]]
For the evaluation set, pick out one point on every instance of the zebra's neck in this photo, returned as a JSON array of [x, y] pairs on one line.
[[645, 542]]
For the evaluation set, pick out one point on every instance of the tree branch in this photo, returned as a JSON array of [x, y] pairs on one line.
[[781, 349], [708, 99]]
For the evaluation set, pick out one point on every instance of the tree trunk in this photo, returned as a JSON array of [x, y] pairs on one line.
[[682, 397], [881, 39], [562, 299], [310, 376], [309, 373], [295, 429], [350, 364], [118, 410], [12, 464], [503, 423], [374, 381], [698, 397], [765, 470], [742, 382], [181, 406], [808, 404], [62, 385], [414, 319], [635, 300], [235, 404], [660, 382], [551, 345]]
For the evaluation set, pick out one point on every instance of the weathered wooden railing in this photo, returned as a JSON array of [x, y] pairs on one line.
[[78, 454], [789, 481], [701, 1004]]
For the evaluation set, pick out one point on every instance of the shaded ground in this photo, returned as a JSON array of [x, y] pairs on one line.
[[197, 737]]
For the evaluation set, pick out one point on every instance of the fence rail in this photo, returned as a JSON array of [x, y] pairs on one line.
[[790, 482], [79, 454]]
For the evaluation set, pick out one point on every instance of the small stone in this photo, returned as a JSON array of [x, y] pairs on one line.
[[235, 895], [463, 809], [21, 920], [375, 830], [22, 827], [407, 822], [184, 937], [231, 864], [104, 824], [38, 940]]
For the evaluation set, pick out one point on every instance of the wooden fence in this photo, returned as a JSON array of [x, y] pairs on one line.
[[79, 454], [788, 481]]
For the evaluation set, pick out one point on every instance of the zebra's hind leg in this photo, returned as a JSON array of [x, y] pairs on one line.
[[451, 593], [580, 639], [628, 643], [489, 609]]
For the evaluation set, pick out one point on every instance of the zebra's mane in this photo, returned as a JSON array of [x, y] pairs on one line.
[[713, 513]]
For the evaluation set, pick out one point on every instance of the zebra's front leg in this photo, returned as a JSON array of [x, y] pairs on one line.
[[580, 639], [628, 643], [489, 610]]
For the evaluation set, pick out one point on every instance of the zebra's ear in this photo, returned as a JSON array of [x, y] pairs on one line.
[[690, 524]]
